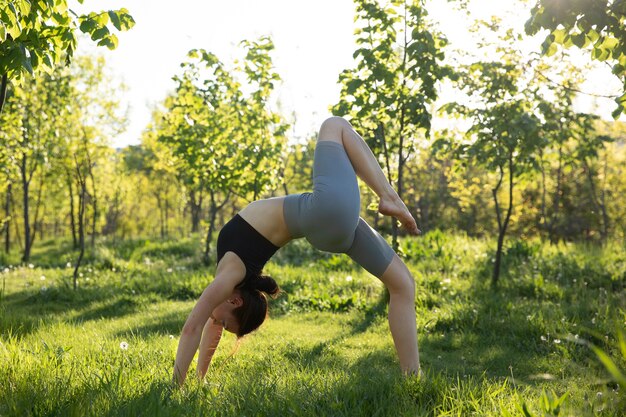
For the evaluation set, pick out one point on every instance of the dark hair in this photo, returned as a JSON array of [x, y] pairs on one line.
[[253, 311]]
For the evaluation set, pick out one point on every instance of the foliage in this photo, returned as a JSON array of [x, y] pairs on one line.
[[35, 36], [597, 26], [387, 94]]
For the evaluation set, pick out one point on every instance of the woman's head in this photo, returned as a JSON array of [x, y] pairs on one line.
[[246, 310]]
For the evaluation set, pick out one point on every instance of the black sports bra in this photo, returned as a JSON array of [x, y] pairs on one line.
[[245, 241]]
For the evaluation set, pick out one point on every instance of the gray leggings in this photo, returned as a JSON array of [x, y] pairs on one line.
[[329, 216]]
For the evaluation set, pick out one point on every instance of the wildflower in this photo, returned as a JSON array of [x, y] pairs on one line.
[[171, 337], [68, 265], [557, 341], [31, 266], [593, 320], [6, 270], [349, 278], [123, 345], [147, 261], [169, 269], [543, 338], [439, 357], [80, 274], [44, 289], [113, 269], [42, 278]]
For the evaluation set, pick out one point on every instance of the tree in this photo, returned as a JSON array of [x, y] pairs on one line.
[[36, 36], [504, 136], [224, 142], [34, 112], [597, 26], [388, 94]]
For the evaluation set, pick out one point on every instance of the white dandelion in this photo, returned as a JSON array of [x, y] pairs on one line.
[[349, 278], [123, 345], [42, 278]]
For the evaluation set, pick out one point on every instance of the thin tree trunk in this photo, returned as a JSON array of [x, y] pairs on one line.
[[94, 199], [7, 225], [213, 210], [25, 187], [502, 226], [14, 216], [36, 222], [167, 214], [81, 219], [196, 210], [72, 217], [3, 91]]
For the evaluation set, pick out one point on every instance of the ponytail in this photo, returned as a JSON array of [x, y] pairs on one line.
[[254, 291]]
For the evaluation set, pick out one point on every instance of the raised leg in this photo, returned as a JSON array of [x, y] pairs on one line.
[[402, 322], [367, 168]]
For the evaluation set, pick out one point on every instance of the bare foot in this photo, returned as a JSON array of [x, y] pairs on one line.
[[396, 208]]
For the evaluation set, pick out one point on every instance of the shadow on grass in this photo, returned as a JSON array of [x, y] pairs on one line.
[[167, 324]]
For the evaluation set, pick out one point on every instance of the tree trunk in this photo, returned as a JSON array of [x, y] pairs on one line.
[[213, 210], [94, 200], [157, 195], [37, 224], [195, 204], [25, 186], [81, 219], [167, 214], [502, 226], [3, 90], [72, 217], [7, 225]]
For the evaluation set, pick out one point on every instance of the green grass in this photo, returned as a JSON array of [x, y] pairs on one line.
[[326, 350]]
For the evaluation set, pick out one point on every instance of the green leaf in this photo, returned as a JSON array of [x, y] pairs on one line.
[[579, 40], [115, 19], [87, 25], [559, 35], [552, 49], [99, 33], [593, 35], [125, 19], [3, 32]]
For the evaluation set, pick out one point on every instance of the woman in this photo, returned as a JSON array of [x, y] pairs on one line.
[[329, 219]]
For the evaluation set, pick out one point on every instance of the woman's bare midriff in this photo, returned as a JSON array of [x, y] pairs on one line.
[[266, 216]]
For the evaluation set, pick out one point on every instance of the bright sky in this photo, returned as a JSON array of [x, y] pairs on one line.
[[314, 42]]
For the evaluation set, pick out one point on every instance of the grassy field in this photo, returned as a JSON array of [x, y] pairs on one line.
[[107, 349]]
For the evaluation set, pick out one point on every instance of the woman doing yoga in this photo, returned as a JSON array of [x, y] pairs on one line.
[[329, 219]]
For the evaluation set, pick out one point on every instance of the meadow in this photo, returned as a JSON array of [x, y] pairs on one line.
[[525, 349]]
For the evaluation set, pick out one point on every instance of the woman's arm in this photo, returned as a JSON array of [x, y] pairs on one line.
[[230, 272], [208, 345]]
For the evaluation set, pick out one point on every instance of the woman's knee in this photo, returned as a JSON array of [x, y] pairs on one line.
[[398, 279], [334, 126]]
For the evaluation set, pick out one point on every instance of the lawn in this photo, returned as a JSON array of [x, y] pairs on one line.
[[108, 347]]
